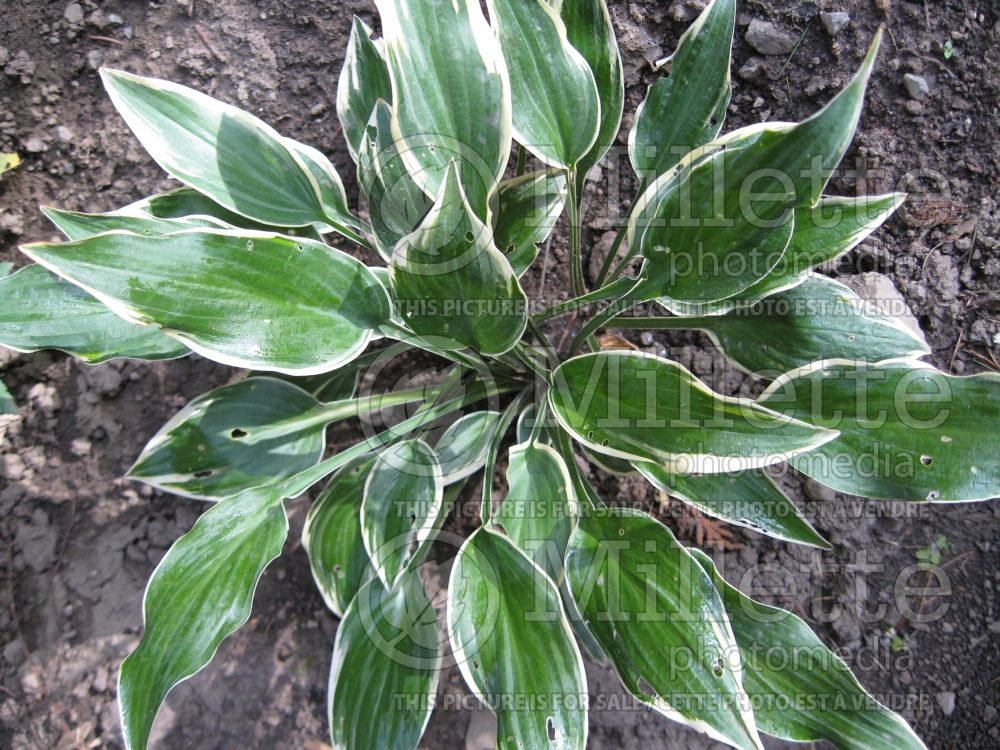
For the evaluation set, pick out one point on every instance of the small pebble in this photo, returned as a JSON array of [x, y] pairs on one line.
[[64, 134], [916, 86], [834, 22], [95, 59], [768, 39], [74, 14], [946, 700]]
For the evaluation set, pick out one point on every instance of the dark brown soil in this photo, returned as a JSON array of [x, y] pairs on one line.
[[79, 542]]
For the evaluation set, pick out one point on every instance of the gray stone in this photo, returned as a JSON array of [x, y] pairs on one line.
[[74, 14], [752, 68], [989, 714], [946, 700], [768, 39], [817, 492], [35, 145], [916, 86], [834, 22], [64, 134], [95, 59]]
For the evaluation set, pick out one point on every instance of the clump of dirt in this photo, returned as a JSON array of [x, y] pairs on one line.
[[79, 542]]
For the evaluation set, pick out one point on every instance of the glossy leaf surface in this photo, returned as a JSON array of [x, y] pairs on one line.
[[246, 299], [199, 594], [510, 636], [650, 606], [462, 448], [41, 311], [556, 112], [364, 80], [529, 207], [784, 661], [641, 407], [907, 431]]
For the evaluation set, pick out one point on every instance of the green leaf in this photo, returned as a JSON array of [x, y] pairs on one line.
[[722, 219], [199, 594], [364, 80], [7, 404], [450, 281], [589, 30], [208, 449], [907, 431], [41, 311], [402, 501], [80, 226], [818, 319], [784, 662], [396, 203], [384, 675], [332, 536], [540, 506], [556, 110], [643, 408], [229, 155], [462, 448], [451, 94], [511, 638], [748, 498], [529, 207], [526, 425], [822, 233], [686, 108], [242, 298], [661, 622], [333, 198], [185, 203]]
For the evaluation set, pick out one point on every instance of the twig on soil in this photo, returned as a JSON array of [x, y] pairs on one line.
[[208, 45], [794, 49], [954, 353], [106, 39]]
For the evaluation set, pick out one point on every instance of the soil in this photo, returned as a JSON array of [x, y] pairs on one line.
[[79, 542]]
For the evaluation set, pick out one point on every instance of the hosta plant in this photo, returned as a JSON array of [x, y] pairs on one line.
[[259, 261]]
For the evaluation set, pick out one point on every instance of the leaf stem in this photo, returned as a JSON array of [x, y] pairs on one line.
[[575, 252], [486, 506]]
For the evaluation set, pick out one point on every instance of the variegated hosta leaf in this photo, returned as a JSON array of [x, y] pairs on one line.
[[331, 386], [906, 430], [41, 311], [199, 594], [332, 196], [208, 449], [722, 219], [511, 638], [186, 203], [402, 502], [529, 207], [643, 408], [396, 203], [384, 675], [526, 425], [589, 30], [450, 281], [538, 512], [818, 319], [838, 710], [80, 226], [747, 498], [332, 536], [463, 446], [220, 150], [822, 233], [451, 94], [661, 622], [686, 108], [556, 111], [364, 80], [242, 298]]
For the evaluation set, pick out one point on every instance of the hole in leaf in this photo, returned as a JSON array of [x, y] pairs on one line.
[[238, 434], [550, 727], [203, 474], [470, 237], [933, 495], [926, 460]]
